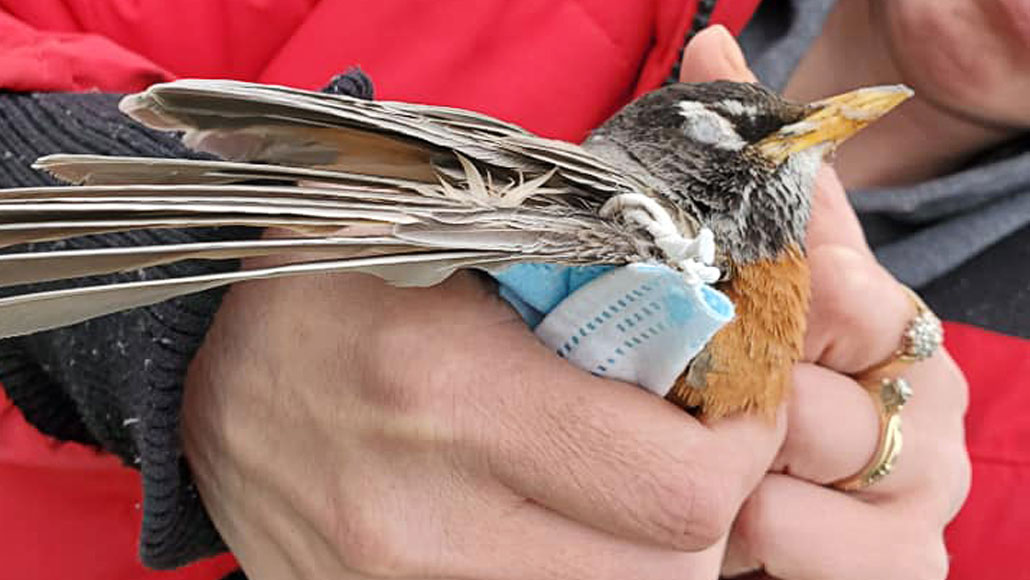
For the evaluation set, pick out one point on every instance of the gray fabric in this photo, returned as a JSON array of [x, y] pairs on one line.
[[955, 240], [919, 232], [779, 34]]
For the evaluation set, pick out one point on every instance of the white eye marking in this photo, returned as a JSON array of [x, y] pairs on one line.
[[735, 107], [799, 128], [706, 126]]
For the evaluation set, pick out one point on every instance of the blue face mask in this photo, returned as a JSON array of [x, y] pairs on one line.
[[640, 323]]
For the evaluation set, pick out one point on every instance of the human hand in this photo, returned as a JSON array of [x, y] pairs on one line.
[[794, 527], [967, 56], [338, 427], [966, 61], [341, 428]]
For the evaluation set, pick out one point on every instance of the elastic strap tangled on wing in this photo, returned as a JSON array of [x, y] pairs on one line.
[[692, 256]]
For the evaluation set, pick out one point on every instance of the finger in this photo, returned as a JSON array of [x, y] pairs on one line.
[[784, 528], [858, 312], [833, 426], [528, 541], [833, 220], [264, 535], [932, 472], [616, 457], [713, 54]]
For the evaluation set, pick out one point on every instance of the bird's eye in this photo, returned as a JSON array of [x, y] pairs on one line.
[[754, 121], [705, 125]]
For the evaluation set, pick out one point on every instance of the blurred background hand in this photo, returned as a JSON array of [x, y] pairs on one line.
[[966, 60]]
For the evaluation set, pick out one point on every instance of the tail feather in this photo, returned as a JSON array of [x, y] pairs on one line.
[[29, 313], [36, 267]]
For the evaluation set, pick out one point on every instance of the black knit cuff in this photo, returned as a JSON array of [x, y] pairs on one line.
[[115, 381]]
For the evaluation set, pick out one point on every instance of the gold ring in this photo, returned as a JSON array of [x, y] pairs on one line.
[[890, 399], [922, 337]]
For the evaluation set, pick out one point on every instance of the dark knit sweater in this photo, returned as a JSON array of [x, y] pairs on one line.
[[116, 382]]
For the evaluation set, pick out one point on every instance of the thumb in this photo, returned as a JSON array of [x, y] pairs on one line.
[[713, 54], [833, 220]]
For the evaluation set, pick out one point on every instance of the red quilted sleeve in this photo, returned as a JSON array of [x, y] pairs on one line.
[[45, 60], [987, 540]]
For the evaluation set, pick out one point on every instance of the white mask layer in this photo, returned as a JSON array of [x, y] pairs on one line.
[[641, 323]]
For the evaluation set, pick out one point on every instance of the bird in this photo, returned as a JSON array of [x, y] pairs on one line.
[[711, 179]]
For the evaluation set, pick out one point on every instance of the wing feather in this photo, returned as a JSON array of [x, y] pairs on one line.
[[408, 193], [244, 121]]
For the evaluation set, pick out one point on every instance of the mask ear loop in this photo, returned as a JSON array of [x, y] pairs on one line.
[[692, 256]]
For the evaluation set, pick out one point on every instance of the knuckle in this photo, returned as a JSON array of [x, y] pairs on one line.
[[690, 510], [856, 306], [959, 483], [918, 552], [934, 563], [397, 374], [391, 340], [367, 545], [945, 481], [955, 384], [964, 476], [752, 527], [850, 277]]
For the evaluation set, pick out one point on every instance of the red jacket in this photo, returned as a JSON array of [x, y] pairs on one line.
[[556, 67]]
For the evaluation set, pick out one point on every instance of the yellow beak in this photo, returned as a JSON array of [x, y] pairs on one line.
[[831, 121]]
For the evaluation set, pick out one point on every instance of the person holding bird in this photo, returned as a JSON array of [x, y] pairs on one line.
[[551, 472]]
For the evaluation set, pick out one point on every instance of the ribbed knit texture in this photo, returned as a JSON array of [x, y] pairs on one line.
[[352, 83], [115, 381], [702, 17]]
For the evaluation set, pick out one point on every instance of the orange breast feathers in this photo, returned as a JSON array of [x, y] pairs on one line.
[[748, 364]]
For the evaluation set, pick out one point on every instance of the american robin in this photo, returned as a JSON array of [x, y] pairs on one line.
[[712, 179]]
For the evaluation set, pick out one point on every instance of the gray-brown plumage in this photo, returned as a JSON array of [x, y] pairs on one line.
[[411, 193], [755, 207]]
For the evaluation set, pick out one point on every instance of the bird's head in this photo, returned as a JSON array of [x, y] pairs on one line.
[[736, 156]]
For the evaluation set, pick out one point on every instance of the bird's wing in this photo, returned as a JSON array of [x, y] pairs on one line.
[[251, 122], [406, 192]]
